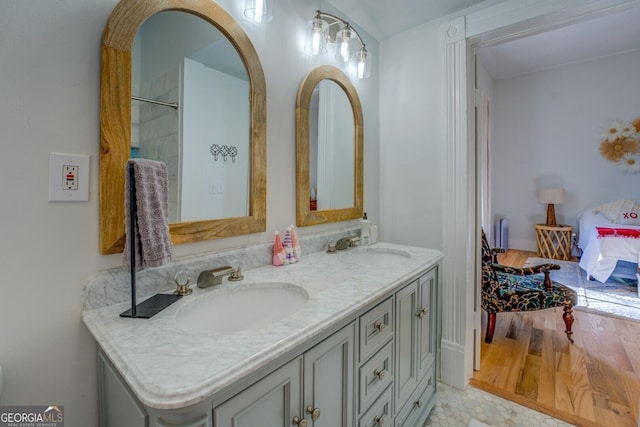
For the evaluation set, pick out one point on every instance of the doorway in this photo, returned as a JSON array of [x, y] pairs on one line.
[[460, 271], [480, 135]]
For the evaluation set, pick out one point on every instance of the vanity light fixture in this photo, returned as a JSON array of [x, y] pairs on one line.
[[258, 11], [326, 28]]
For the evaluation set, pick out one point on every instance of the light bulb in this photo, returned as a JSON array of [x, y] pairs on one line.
[[344, 50], [361, 69], [259, 4], [315, 43]]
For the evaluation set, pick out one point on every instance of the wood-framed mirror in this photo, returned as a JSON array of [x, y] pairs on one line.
[[329, 149], [116, 123]]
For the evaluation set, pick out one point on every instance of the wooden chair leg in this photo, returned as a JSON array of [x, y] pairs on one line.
[[491, 327], [567, 316]]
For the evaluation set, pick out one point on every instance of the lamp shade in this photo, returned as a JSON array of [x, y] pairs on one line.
[[551, 195]]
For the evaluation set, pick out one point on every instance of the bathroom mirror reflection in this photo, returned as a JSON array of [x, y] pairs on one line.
[[329, 143], [200, 129], [331, 147], [207, 66]]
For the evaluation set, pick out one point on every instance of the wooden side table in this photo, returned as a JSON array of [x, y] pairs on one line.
[[554, 241]]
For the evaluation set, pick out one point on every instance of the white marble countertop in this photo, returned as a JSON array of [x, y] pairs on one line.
[[169, 368]]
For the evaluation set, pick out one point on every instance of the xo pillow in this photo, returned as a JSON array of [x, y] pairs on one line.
[[622, 211], [629, 216]]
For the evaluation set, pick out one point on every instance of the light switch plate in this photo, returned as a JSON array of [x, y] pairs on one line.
[[68, 177]]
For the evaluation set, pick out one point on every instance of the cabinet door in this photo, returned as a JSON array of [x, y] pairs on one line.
[[273, 401], [426, 322], [328, 380], [118, 407], [406, 343]]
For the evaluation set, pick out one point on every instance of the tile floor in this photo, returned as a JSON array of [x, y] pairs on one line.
[[458, 408]]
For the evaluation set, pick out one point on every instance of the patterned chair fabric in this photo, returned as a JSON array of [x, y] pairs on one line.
[[521, 289]]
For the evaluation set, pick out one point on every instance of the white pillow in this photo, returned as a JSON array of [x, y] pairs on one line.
[[613, 210], [629, 216]]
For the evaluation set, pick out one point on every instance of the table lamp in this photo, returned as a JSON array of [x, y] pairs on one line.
[[551, 196]]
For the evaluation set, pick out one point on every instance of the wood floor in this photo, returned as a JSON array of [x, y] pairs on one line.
[[593, 382]]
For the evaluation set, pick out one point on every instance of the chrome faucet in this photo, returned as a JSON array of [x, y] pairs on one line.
[[214, 277], [347, 242]]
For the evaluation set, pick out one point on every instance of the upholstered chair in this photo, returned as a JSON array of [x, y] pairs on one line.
[[521, 289]]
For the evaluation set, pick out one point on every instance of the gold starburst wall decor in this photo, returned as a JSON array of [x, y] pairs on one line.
[[620, 144]]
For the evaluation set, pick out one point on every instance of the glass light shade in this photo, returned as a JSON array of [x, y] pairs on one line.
[[360, 66], [343, 40], [317, 37], [258, 11]]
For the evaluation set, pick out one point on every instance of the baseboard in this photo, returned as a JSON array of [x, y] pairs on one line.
[[452, 364]]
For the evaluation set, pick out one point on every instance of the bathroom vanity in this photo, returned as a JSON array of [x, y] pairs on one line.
[[344, 339]]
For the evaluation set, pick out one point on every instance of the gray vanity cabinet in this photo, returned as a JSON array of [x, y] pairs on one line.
[[315, 389], [379, 369]]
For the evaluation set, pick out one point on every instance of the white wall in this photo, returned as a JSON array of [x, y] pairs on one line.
[[410, 126], [50, 86], [547, 133]]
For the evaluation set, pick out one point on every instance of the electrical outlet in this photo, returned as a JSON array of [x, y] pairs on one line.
[[68, 177]]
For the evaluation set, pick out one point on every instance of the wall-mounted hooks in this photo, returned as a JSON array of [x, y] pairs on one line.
[[224, 151]]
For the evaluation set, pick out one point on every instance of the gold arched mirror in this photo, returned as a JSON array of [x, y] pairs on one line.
[[236, 148], [329, 149]]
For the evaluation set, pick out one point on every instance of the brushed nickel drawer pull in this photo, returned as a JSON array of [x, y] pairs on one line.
[[379, 421], [379, 374], [299, 422], [421, 313], [314, 412], [419, 403], [380, 326]]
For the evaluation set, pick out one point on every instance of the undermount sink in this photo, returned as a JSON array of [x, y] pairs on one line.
[[240, 307], [374, 255]]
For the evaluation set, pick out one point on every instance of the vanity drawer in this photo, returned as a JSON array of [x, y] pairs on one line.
[[380, 412], [420, 403], [376, 327], [375, 375]]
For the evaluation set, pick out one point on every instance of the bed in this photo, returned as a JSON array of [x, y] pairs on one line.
[[609, 236]]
